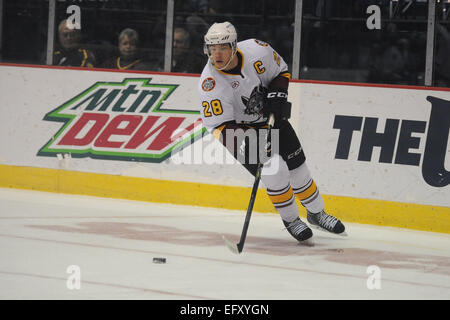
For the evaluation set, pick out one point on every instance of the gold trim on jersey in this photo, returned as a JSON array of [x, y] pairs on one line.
[[218, 131], [286, 75], [261, 43]]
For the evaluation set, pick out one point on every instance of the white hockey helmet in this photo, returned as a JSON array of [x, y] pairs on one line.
[[221, 33]]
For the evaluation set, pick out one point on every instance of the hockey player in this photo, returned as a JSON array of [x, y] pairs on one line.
[[240, 86]]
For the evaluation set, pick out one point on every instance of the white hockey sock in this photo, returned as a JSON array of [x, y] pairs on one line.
[[305, 189], [275, 175]]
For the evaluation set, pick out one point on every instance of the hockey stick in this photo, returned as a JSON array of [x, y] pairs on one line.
[[237, 248]]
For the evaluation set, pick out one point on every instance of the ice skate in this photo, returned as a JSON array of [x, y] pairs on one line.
[[298, 229], [326, 222]]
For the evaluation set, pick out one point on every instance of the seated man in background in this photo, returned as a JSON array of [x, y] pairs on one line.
[[70, 51], [130, 56], [185, 59]]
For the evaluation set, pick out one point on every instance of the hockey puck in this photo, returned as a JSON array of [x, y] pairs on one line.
[[159, 260]]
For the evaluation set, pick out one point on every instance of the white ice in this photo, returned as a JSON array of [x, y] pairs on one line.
[[113, 243]]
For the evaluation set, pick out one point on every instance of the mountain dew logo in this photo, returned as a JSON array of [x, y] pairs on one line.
[[122, 121]]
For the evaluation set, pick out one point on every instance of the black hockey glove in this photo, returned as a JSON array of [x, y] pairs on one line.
[[277, 104]]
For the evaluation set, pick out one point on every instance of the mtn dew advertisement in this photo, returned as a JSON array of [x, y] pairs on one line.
[[123, 120]]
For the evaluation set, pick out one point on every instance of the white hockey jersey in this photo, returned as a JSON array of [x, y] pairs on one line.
[[223, 95]]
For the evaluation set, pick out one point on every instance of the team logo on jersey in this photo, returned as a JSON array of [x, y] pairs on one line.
[[235, 84], [128, 120], [254, 103], [208, 84], [261, 43]]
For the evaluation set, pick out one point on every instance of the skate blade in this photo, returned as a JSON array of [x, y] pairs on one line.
[[307, 243], [342, 234]]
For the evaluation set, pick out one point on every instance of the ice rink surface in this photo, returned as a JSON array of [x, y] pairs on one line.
[[49, 241]]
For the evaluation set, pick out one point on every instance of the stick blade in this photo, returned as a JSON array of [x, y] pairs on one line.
[[233, 247]]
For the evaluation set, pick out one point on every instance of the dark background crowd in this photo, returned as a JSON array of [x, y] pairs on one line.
[[336, 44]]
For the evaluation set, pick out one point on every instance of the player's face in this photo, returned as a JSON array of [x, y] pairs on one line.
[[220, 54]]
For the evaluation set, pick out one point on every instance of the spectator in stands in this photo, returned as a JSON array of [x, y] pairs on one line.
[[130, 56], [70, 51], [393, 62], [185, 59], [442, 66], [197, 27], [389, 66]]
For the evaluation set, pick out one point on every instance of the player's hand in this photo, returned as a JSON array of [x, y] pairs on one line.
[[276, 103]]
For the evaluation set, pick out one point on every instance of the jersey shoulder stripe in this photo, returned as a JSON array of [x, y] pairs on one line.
[[254, 47]]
